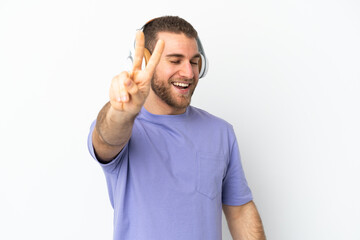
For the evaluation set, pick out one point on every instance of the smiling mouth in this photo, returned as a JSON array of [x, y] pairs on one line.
[[181, 85]]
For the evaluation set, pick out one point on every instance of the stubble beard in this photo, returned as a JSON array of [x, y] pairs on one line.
[[163, 90]]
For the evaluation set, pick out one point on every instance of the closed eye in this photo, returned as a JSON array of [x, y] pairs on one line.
[[178, 62]]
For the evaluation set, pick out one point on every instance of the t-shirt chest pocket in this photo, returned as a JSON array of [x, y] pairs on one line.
[[210, 173]]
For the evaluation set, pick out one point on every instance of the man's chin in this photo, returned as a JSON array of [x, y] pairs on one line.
[[183, 103]]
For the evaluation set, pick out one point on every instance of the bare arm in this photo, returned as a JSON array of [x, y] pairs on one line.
[[244, 222], [128, 93], [111, 133]]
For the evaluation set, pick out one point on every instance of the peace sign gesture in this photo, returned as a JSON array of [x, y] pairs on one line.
[[129, 90]]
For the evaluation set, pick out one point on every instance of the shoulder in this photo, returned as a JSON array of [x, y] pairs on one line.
[[201, 114], [208, 118]]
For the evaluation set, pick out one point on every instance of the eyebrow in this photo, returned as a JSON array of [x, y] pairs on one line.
[[182, 56]]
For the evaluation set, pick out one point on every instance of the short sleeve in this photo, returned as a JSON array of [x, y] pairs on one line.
[[235, 189], [112, 166]]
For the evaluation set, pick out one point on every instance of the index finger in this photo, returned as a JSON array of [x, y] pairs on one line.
[[155, 58], [139, 50]]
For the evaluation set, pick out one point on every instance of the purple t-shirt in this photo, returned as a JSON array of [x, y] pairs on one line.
[[171, 179]]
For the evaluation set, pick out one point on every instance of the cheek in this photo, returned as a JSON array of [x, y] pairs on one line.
[[164, 71], [196, 72]]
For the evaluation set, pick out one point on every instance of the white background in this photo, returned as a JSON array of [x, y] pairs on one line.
[[285, 73]]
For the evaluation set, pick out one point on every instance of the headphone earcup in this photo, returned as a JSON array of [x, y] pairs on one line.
[[146, 59], [147, 55], [203, 66], [203, 62]]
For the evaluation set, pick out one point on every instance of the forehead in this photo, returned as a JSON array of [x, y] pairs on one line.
[[178, 43]]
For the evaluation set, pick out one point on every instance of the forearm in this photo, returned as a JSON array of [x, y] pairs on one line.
[[128, 92], [112, 132], [244, 222]]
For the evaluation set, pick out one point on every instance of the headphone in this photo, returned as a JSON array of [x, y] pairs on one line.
[[203, 62]]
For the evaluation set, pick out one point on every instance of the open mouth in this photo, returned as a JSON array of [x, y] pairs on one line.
[[181, 85]]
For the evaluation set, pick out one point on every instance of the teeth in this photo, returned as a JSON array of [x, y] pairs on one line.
[[180, 84]]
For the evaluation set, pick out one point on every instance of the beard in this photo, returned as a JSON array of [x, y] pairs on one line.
[[163, 89]]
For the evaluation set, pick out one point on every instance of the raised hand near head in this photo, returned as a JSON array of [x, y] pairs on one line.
[[129, 90]]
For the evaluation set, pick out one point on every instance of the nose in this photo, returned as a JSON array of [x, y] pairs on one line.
[[187, 70]]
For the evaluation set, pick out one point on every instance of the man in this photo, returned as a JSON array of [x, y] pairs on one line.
[[170, 168]]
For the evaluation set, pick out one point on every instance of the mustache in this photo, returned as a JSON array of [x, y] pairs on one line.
[[183, 80]]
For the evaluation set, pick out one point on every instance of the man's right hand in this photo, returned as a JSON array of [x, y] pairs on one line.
[[128, 93], [129, 90]]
